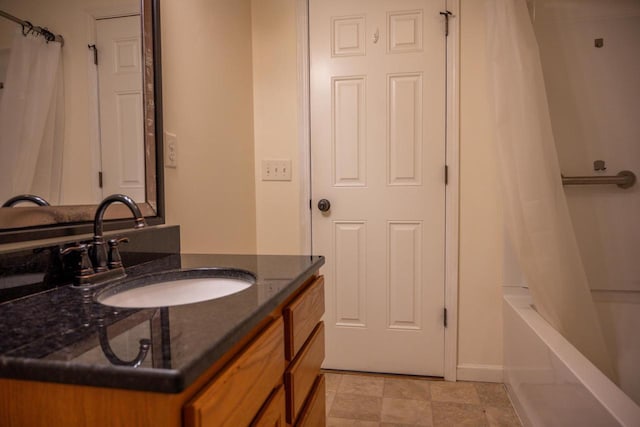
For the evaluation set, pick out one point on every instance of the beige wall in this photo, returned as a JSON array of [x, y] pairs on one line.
[[207, 83], [481, 230], [275, 97]]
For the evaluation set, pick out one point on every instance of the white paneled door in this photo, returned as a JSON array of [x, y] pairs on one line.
[[378, 71], [120, 91]]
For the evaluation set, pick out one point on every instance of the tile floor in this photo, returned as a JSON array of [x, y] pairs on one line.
[[387, 400]]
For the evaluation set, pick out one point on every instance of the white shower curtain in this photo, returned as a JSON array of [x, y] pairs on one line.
[[535, 209], [32, 120]]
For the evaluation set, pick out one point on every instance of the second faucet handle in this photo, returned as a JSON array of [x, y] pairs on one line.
[[115, 261], [84, 267]]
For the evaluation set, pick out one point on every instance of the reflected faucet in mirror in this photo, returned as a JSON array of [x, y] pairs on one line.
[[155, 325], [145, 345], [25, 198], [96, 264]]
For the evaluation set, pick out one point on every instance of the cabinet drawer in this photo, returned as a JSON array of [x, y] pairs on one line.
[[302, 373], [235, 396], [302, 316], [314, 412], [273, 412]]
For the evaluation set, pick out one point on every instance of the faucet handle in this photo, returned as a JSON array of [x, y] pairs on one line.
[[115, 261], [83, 267]]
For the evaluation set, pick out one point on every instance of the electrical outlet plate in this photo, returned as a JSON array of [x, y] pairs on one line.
[[170, 150], [276, 170]]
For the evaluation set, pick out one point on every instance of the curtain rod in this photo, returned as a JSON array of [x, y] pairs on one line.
[[28, 26]]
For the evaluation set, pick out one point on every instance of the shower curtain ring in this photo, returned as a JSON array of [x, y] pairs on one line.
[[48, 35], [30, 28]]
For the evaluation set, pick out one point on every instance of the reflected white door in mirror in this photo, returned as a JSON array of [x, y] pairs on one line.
[[119, 68]]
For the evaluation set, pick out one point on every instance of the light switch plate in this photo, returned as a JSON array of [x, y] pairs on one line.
[[276, 170], [170, 150]]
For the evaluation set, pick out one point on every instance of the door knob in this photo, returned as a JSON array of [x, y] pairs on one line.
[[324, 205]]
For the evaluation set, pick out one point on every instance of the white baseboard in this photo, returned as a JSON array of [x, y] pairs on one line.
[[482, 373]]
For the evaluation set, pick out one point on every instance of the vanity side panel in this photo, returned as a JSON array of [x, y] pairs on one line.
[[236, 395], [35, 404]]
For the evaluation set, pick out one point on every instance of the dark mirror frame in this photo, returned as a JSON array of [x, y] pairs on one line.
[[42, 222]]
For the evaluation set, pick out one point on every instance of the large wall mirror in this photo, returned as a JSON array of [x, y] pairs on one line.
[[80, 115]]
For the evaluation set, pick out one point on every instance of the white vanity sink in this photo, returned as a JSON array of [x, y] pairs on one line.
[[168, 290]]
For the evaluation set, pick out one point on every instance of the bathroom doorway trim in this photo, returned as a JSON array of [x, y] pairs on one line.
[[452, 161]]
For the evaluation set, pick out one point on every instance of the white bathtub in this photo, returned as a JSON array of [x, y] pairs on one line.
[[549, 381]]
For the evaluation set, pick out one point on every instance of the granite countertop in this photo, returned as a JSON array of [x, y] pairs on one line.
[[55, 335]]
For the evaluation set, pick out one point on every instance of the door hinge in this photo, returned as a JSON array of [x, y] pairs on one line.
[[100, 179], [446, 174], [445, 317], [94, 48], [447, 14], [310, 206]]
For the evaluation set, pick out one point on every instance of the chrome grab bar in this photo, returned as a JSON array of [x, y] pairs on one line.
[[624, 179]]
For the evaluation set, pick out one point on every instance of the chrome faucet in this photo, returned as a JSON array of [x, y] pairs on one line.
[[98, 246]]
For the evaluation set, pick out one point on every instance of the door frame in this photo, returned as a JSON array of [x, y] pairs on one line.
[[452, 149]]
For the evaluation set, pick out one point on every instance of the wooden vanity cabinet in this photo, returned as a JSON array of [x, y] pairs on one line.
[[270, 378]]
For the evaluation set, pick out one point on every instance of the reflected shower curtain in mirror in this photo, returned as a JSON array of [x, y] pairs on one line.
[[535, 208], [32, 120]]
